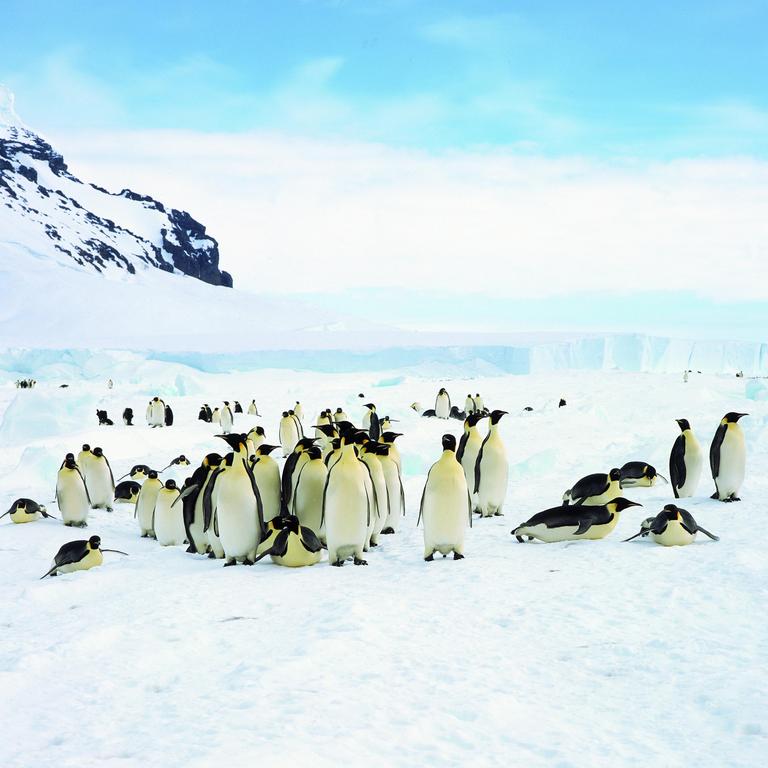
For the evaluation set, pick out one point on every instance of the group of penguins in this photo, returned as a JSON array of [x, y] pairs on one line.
[[342, 489], [158, 414]]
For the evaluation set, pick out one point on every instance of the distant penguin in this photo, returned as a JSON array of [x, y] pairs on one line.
[[100, 481], [83, 460], [371, 422], [128, 417], [346, 506], [457, 414], [429, 413], [728, 458], [291, 544], [237, 504], [469, 405], [288, 433], [253, 409], [595, 489], [636, 474], [479, 404], [145, 504], [72, 494], [103, 418], [339, 415], [127, 492], [469, 447], [156, 412], [238, 407], [255, 438], [26, 511], [685, 462], [204, 413], [442, 404], [298, 409], [191, 499], [491, 470], [416, 406], [215, 416], [572, 523], [307, 502], [168, 518], [266, 473], [226, 418], [168, 415], [672, 527], [139, 473], [562, 403], [445, 505], [78, 556]]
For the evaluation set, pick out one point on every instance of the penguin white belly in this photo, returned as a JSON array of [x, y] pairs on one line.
[[308, 499], [169, 521], [374, 510], [674, 535], [216, 416], [468, 461], [445, 511], [613, 492], [226, 421], [267, 476], [157, 415], [22, 516], [238, 520], [733, 455], [346, 516], [367, 420], [392, 480], [296, 555], [199, 538], [100, 486], [145, 506], [694, 462], [289, 436], [214, 542], [567, 532], [382, 499], [93, 558], [72, 498], [494, 471], [442, 407]]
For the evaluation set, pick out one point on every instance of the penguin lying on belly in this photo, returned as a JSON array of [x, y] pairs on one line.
[[672, 527], [639, 473]]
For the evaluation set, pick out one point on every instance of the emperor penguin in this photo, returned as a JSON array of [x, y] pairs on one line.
[[469, 447], [237, 505], [340, 415], [445, 505], [491, 470], [204, 413], [255, 438], [288, 433], [728, 457], [371, 422], [323, 420], [307, 502], [72, 494], [574, 522], [127, 492], [291, 544], [191, 499], [672, 527], [685, 462], [128, 417], [346, 506], [595, 489], [139, 473], [168, 522], [298, 409], [168, 416], [442, 404], [293, 465], [297, 420], [388, 438], [78, 556], [469, 405], [479, 404], [100, 481], [216, 416], [156, 412], [635, 474], [253, 409], [379, 515], [83, 459], [324, 434], [226, 419], [26, 511], [145, 504], [238, 407], [266, 473], [395, 491]]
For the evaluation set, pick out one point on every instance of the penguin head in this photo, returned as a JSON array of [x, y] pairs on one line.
[[285, 414], [291, 412], [360, 437], [226, 402], [496, 416], [314, 452], [614, 474], [732, 417], [298, 403], [326, 429], [370, 406], [69, 461], [260, 431], [152, 475], [338, 410], [683, 424], [86, 447], [234, 441], [361, 395], [305, 443], [212, 460], [265, 450], [475, 418], [670, 512], [170, 485], [94, 542], [97, 451], [390, 437], [449, 443], [621, 504]]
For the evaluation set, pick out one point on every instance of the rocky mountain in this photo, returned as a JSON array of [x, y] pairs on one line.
[[47, 212]]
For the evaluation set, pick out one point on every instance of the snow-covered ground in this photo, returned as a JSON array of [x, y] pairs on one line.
[[584, 654]]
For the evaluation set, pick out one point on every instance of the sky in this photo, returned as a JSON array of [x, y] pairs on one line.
[[529, 150]]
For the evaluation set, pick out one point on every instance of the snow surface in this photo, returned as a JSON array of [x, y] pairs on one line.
[[583, 654]]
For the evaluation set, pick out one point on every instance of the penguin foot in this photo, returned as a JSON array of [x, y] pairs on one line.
[[735, 498], [388, 529], [230, 562], [374, 543], [212, 555], [457, 556], [498, 514], [109, 509], [338, 563], [191, 549], [247, 561], [519, 538], [359, 561], [430, 558], [444, 555], [714, 495]]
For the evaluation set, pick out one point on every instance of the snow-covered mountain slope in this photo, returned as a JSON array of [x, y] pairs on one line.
[[48, 212]]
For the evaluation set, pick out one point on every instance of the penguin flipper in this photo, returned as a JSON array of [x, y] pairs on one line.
[[111, 476], [641, 532], [714, 451], [309, 539], [688, 523], [707, 533], [677, 470], [189, 489], [421, 503], [584, 525], [259, 504], [85, 485], [402, 494], [469, 508], [478, 460], [208, 499], [462, 446]]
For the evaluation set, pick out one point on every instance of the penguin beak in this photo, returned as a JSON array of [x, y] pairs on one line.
[[661, 477], [118, 551]]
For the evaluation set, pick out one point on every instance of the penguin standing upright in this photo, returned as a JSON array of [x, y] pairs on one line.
[[78, 556], [100, 481], [308, 495], [293, 466], [340, 415], [266, 473], [298, 409], [128, 417], [192, 503], [226, 419], [156, 412], [469, 405], [168, 518], [72, 494], [595, 489], [395, 492], [442, 404], [297, 421], [216, 416], [238, 407], [288, 433], [26, 511], [491, 470], [371, 422], [728, 457], [168, 416], [145, 504], [388, 438], [346, 506], [469, 447], [479, 404], [255, 438], [83, 460], [379, 516], [685, 462], [253, 409], [237, 505]]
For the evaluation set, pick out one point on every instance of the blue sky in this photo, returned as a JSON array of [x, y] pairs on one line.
[[603, 79]]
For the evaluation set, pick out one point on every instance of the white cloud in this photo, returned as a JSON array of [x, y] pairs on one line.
[[301, 215]]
